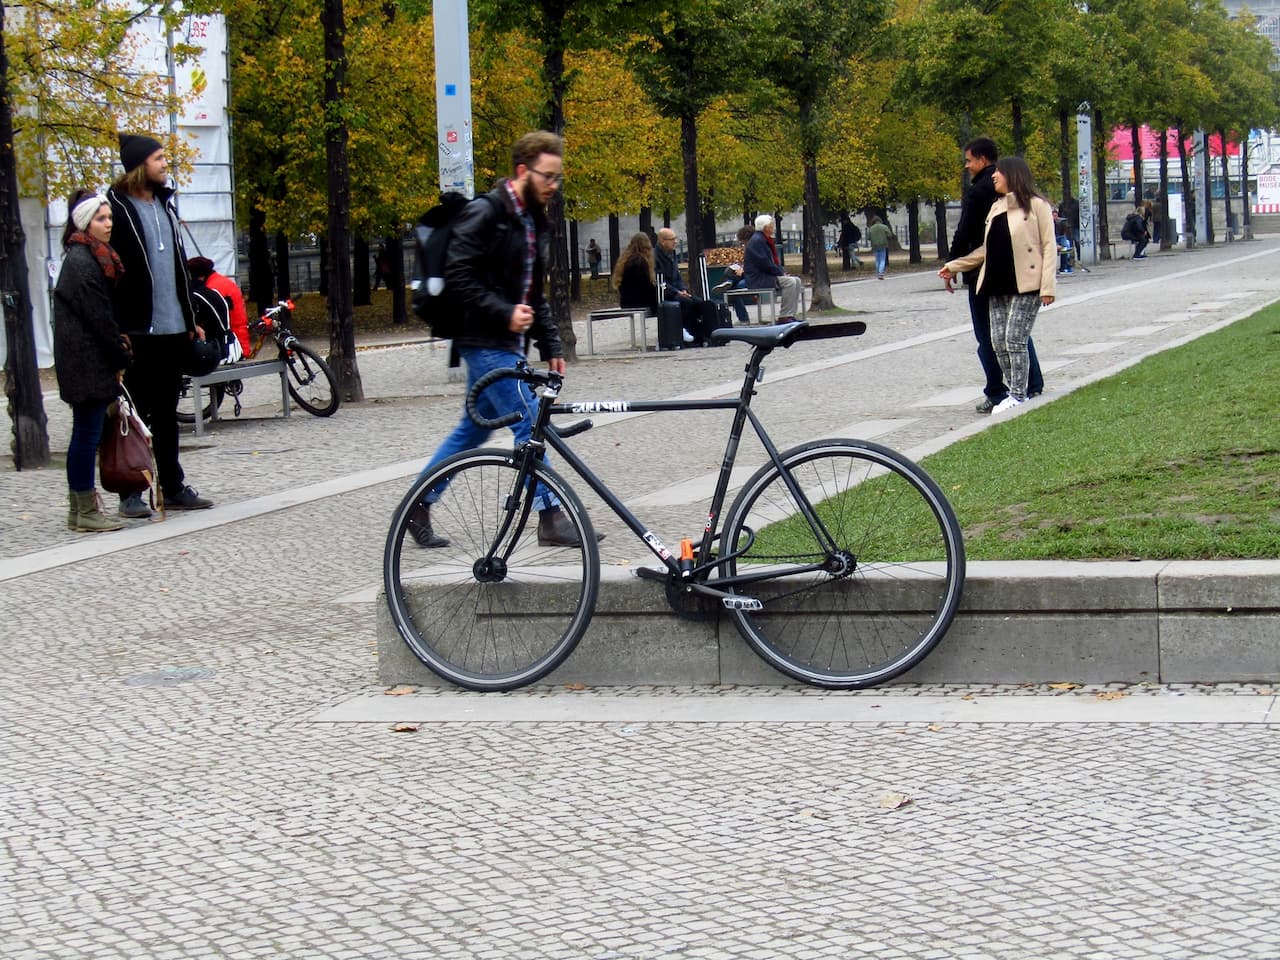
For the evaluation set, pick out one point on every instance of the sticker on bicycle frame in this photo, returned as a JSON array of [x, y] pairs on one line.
[[600, 406], [741, 603], [657, 546]]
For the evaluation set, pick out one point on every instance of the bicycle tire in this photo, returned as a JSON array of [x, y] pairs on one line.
[[186, 402], [311, 383], [881, 614], [506, 630]]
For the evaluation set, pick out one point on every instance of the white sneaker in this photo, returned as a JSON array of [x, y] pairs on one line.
[[688, 337], [1007, 404]]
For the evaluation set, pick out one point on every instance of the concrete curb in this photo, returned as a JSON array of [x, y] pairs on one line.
[[1019, 622]]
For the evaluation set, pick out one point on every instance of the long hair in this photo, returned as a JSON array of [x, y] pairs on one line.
[[1018, 178], [71, 228], [134, 182], [638, 250]]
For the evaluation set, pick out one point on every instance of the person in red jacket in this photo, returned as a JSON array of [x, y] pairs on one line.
[[230, 291]]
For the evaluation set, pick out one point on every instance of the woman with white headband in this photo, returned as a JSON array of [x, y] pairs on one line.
[[89, 351]]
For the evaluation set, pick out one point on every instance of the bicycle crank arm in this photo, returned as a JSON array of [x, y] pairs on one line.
[[728, 600]]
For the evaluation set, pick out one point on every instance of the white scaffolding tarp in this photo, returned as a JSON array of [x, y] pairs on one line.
[[205, 198]]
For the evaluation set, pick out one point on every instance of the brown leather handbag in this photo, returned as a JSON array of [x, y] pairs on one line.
[[126, 462]]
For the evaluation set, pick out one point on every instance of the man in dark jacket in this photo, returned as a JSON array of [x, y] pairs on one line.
[[697, 316], [980, 158], [153, 305], [494, 267]]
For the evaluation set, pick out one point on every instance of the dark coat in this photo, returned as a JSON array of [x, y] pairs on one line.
[[635, 289], [87, 349], [133, 293], [665, 266], [758, 266], [485, 269], [971, 229]]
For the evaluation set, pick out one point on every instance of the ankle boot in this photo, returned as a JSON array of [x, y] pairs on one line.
[[90, 518], [73, 509], [420, 527], [555, 530]]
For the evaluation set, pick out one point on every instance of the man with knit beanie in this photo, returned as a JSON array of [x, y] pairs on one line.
[[153, 304]]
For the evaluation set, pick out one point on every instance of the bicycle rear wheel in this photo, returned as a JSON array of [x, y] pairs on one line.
[[311, 383], [187, 401], [490, 622], [887, 591]]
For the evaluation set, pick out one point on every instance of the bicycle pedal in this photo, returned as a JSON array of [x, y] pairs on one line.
[[741, 603]]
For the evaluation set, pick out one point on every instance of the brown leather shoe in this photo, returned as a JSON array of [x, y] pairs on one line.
[[420, 527], [555, 530]]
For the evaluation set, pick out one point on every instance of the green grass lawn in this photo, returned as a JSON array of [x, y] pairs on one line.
[[1175, 458]]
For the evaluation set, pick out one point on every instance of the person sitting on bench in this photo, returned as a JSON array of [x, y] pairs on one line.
[[698, 316], [763, 268]]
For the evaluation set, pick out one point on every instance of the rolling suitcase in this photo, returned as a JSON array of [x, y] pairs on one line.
[[670, 326]]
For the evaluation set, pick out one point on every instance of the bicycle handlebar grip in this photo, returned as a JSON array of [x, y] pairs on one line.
[[490, 378]]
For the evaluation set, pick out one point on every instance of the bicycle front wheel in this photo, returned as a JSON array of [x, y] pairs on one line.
[[492, 610], [311, 383], [890, 578]]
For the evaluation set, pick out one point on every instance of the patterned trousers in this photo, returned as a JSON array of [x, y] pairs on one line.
[[1011, 320]]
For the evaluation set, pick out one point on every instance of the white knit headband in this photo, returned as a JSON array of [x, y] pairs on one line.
[[83, 213]]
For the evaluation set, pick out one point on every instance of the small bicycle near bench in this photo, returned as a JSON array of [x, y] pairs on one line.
[[311, 383], [840, 561]]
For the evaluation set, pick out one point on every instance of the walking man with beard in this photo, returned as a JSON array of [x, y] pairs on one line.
[[153, 306], [495, 267]]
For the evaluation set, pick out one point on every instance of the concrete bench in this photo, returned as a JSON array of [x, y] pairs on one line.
[[243, 370], [634, 314]]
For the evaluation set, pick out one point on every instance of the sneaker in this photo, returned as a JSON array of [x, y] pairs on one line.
[[187, 499], [1007, 404], [555, 530], [688, 337], [134, 507], [987, 405], [722, 286], [420, 528]]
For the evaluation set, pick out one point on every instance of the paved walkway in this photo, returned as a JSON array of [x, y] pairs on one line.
[[199, 763]]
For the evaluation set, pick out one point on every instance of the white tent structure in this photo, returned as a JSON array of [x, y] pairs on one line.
[[205, 198]]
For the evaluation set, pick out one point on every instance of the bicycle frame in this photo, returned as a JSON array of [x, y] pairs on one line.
[[545, 433]]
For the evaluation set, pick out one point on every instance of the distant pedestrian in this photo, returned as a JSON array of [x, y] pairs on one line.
[[1134, 230], [879, 235], [89, 351], [850, 237], [594, 257]]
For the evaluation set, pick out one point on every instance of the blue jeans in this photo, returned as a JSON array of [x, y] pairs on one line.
[[499, 399], [882, 259], [740, 308], [82, 453]]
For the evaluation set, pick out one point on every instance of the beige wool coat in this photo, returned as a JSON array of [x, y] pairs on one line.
[[1035, 250]]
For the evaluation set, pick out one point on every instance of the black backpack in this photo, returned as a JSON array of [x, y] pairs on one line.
[[1133, 229], [432, 302]]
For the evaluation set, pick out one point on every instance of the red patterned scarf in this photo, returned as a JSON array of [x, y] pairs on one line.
[[773, 249], [106, 256]]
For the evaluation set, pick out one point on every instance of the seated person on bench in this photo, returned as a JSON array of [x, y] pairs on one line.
[[633, 275], [698, 316], [735, 276], [763, 269]]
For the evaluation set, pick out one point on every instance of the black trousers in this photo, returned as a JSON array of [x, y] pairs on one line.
[[699, 317], [154, 380]]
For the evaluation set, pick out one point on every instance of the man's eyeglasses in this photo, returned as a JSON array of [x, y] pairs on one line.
[[556, 178]]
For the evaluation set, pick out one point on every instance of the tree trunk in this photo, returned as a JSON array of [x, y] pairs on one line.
[[1166, 242], [284, 284], [646, 219], [1135, 141], [361, 292], [395, 250], [1205, 187], [692, 203], [913, 231], [813, 238], [615, 240], [21, 375], [1188, 199], [1226, 185], [342, 333], [1100, 172], [1066, 154], [1019, 133], [557, 234], [940, 218], [1244, 188], [575, 265], [262, 287]]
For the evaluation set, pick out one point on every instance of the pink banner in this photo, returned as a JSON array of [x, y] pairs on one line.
[[1121, 144]]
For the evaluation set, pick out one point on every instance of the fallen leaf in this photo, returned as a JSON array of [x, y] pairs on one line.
[[404, 728], [1110, 695], [575, 686], [935, 727], [1064, 686], [968, 696], [400, 691], [894, 801]]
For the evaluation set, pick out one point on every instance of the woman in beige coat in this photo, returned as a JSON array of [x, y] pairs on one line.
[[1018, 257]]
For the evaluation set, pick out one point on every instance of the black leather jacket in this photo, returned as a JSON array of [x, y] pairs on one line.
[[485, 269]]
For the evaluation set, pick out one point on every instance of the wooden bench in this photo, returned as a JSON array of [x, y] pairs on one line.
[[244, 370], [634, 314]]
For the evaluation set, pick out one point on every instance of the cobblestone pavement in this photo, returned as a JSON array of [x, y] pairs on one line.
[[170, 793]]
